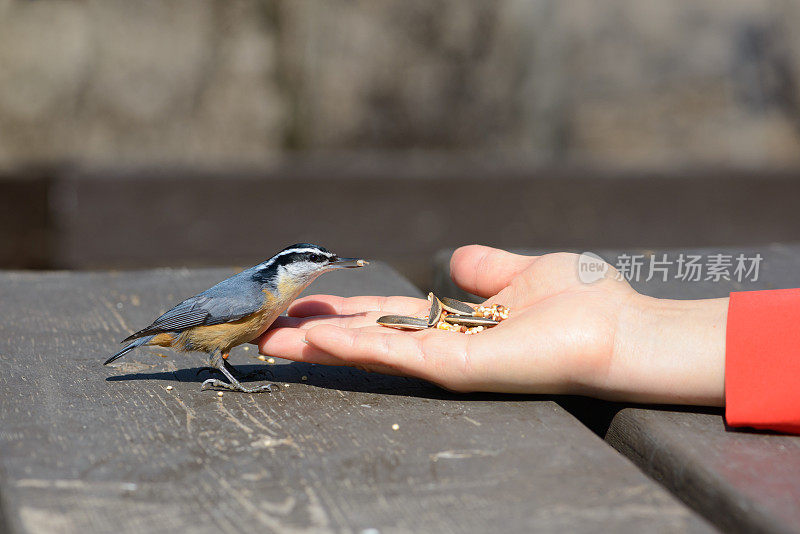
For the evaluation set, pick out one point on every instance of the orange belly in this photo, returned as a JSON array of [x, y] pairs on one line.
[[223, 337]]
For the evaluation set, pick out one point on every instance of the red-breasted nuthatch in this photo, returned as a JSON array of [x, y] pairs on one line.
[[238, 309]]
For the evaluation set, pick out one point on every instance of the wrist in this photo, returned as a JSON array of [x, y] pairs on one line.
[[669, 351]]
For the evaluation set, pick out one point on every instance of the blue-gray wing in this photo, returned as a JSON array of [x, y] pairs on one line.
[[213, 306]]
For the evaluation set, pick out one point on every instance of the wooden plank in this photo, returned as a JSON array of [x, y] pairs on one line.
[[174, 216], [25, 231], [85, 448], [742, 481]]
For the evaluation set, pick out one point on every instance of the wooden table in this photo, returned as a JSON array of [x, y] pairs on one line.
[[742, 481], [87, 448]]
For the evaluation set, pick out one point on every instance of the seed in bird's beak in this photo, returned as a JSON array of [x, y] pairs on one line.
[[348, 263]]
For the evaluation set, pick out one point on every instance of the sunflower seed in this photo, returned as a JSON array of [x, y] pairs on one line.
[[436, 310], [401, 321], [456, 306], [469, 320]]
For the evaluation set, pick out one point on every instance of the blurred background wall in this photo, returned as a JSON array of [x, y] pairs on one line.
[[215, 131]]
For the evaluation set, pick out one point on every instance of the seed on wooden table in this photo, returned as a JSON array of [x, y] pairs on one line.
[[271, 360], [262, 357], [169, 388], [219, 393], [395, 427]]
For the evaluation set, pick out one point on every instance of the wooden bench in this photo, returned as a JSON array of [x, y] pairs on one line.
[[742, 481], [88, 448]]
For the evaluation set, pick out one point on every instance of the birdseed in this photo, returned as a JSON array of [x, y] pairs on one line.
[[445, 312]]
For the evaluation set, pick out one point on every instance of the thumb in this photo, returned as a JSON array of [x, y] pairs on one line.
[[485, 271]]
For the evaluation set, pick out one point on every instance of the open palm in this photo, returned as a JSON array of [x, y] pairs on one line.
[[560, 337]]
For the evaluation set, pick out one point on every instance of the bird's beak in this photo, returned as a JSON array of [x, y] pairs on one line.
[[348, 263]]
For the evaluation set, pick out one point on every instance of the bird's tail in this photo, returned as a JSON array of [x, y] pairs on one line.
[[138, 343]]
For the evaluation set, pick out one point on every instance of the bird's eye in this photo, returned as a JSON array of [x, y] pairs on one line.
[[317, 258]]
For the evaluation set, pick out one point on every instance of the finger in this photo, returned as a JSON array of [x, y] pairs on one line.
[[433, 355], [356, 320], [367, 345], [333, 305], [289, 343], [485, 271]]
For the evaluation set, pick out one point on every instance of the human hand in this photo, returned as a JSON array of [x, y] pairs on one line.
[[564, 336]]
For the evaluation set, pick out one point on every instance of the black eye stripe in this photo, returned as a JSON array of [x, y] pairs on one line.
[[308, 256]]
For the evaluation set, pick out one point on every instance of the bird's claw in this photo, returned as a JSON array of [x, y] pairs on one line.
[[215, 382]]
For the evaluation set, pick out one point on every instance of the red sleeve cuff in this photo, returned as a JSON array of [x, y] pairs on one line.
[[762, 360]]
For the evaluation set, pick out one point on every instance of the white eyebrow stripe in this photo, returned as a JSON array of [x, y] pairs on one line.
[[292, 251]]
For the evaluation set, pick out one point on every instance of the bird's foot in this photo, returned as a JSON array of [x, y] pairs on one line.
[[212, 368], [232, 384], [214, 382]]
